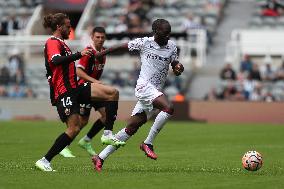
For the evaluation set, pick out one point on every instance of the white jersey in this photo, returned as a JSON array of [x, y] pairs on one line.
[[155, 60]]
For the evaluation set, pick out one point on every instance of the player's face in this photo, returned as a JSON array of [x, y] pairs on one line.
[[65, 29], [162, 36], [99, 39]]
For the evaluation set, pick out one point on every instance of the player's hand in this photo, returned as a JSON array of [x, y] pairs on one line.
[[178, 69], [87, 52]]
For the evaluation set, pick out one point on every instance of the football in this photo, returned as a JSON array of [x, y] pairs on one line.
[[252, 161]]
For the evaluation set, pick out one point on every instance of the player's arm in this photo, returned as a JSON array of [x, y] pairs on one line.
[[58, 60], [111, 49], [177, 67], [83, 75]]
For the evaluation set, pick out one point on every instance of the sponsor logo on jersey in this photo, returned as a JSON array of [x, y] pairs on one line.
[[157, 57]]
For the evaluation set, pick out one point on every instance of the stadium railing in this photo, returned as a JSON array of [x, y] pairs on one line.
[[254, 43]]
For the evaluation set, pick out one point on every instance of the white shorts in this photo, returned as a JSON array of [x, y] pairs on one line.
[[145, 94]]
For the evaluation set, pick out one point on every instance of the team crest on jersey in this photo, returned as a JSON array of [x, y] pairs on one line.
[[82, 111], [67, 111]]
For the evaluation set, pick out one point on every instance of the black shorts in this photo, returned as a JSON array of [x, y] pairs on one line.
[[69, 103], [85, 109]]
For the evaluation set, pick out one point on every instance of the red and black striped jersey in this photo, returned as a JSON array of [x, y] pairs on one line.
[[94, 67], [62, 77]]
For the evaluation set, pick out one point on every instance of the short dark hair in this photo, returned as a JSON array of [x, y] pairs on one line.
[[157, 24], [53, 20], [99, 29]]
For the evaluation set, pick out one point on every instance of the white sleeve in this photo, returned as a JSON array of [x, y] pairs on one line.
[[136, 44], [174, 55]]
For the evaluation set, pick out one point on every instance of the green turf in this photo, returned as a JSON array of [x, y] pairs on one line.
[[191, 155]]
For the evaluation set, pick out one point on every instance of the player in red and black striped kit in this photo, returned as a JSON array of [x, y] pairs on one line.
[[90, 69], [66, 94]]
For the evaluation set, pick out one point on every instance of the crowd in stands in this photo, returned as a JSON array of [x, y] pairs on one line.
[[15, 15], [250, 83], [268, 13], [12, 77], [135, 16]]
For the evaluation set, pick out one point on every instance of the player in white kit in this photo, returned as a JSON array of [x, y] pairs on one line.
[[157, 53]]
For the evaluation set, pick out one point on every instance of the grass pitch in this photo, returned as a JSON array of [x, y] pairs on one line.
[[191, 155]]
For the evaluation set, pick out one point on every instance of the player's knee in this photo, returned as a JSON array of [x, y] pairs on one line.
[[169, 109], [74, 131], [83, 123], [132, 127], [115, 94], [131, 130], [103, 118]]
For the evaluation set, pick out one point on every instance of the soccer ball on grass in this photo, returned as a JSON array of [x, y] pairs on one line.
[[252, 161]]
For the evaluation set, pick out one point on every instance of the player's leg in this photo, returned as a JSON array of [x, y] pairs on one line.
[[102, 92], [166, 111], [84, 112], [111, 96], [73, 128], [85, 142], [68, 110], [133, 124], [98, 125]]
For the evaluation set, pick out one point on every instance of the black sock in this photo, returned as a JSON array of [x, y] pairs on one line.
[[97, 126], [111, 112], [60, 143]]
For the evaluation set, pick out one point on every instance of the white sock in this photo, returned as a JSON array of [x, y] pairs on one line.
[[157, 126], [107, 132], [122, 136], [87, 139]]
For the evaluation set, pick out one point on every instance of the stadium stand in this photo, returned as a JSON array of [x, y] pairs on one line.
[[192, 43], [256, 53]]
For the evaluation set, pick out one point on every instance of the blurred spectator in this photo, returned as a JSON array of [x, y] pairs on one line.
[[228, 92], [4, 76], [16, 67], [121, 26], [268, 73], [227, 73], [189, 23], [241, 76], [3, 91], [255, 73], [268, 97], [256, 93], [272, 8], [16, 92], [246, 64], [135, 24], [249, 85], [9, 25], [29, 93], [212, 95], [117, 80], [137, 20], [23, 21]]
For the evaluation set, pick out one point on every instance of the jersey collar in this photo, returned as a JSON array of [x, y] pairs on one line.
[[92, 45], [57, 38]]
